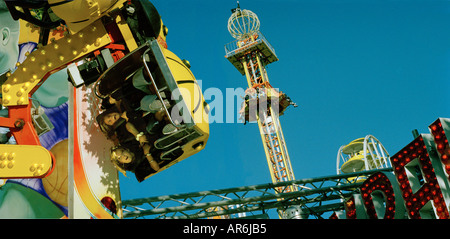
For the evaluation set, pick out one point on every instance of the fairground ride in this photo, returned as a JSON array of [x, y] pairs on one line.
[[250, 53], [105, 45]]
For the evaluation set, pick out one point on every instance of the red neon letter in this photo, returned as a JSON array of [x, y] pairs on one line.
[[350, 208], [378, 182], [438, 130], [416, 154]]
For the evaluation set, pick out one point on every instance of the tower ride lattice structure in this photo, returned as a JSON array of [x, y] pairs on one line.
[[250, 53]]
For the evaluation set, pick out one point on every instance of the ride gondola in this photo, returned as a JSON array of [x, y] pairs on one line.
[[168, 79]]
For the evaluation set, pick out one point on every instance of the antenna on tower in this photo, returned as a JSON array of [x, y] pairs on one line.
[[234, 9]]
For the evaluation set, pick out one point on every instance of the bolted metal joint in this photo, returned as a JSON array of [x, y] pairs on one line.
[[19, 124]]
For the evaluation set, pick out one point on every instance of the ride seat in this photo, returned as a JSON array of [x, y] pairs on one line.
[[354, 164]]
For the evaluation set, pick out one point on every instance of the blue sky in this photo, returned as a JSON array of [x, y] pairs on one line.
[[379, 67]]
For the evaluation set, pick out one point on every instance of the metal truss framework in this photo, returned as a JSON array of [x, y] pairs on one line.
[[316, 196]]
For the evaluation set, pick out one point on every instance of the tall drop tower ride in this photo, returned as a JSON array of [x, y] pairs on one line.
[[250, 53]]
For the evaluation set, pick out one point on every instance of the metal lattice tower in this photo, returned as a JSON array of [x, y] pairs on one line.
[[250, 53]]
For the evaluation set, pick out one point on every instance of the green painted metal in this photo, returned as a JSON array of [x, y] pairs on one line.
[[316, 196]]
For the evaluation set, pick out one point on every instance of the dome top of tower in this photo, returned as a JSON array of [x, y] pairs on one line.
[[242, 23]]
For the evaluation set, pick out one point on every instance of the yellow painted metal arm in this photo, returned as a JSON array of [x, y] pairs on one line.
[[50, 58], [24, 161]]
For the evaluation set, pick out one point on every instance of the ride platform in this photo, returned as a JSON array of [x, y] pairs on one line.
[[236, 50]]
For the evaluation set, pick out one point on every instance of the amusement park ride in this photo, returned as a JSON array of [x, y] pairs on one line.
[[362, 154], [108, 45], [250, 53]]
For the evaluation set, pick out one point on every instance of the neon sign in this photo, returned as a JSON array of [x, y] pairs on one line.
[[419, 186]]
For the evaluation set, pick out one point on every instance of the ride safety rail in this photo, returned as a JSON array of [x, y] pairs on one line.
[[237, 46]]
